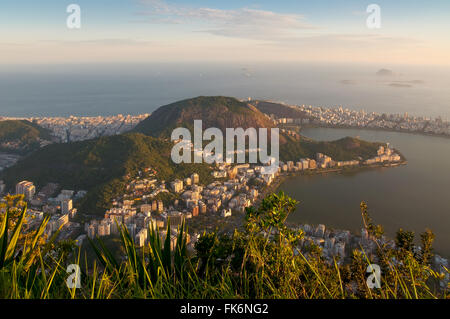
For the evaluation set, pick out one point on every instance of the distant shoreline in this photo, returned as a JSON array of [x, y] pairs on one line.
[[373, 129], [301, 126], [278, 182]]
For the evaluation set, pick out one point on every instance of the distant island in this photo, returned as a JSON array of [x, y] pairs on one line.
[[385, 72]]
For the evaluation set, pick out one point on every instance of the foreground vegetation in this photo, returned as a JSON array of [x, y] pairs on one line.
[[261, 261]]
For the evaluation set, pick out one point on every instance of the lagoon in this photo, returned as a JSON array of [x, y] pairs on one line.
[[413, 197]]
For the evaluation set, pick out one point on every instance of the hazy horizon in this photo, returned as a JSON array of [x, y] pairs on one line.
[[105, 89]]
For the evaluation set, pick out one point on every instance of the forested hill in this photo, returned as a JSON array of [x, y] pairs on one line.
[[21, 136], [100, 166], [214, 111]]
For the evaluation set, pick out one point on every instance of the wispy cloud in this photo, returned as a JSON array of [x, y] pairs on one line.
[[289, 30], [240, 23], [105, 41]]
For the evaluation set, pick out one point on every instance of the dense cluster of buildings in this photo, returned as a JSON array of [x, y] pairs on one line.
[[338, 243], [344, 117], [59, 209], [7, 160], [322, 161], [73, 128], [235, 188], [82, 128], [384, 154], [140, 208]]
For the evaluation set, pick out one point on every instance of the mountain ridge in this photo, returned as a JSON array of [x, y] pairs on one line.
[[214, 111]]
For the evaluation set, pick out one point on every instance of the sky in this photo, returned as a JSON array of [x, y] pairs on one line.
[[134, 31]]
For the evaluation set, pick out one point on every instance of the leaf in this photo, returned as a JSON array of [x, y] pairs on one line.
[[15, 236], [166, 253], [3, 238]]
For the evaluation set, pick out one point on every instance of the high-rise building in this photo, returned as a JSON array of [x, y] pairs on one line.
[[154, 206], [64, 219], [132, 229], [176, 218], [320, 231], [104, 229], [195, 211], [26, 188], [146, 209], [113, 228], [160, 206], [195, 178], [101, 230], [91, 231], [202, 208], [66, 206], [305, 164], [177, 185], [188, 181], [141, 237]]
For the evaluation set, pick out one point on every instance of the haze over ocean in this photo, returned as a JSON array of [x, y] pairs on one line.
[[109, 89]]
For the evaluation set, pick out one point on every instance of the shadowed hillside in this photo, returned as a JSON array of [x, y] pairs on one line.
[[218, 111], [21, 136], [100, 166]]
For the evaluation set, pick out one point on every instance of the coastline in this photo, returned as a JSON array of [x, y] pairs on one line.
[[419, 133], [280, 179]]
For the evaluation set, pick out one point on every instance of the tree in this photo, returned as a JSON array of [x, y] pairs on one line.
[[404, 240], [375, 231], [427, 239]]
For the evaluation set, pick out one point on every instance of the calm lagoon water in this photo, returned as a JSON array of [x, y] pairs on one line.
[[413, 197]]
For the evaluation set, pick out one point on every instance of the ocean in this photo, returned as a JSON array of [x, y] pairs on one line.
[[104, 89]]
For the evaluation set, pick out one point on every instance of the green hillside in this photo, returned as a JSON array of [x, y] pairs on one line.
[[21, 136], [347, 148], [216, 111], [279, 110], [99, 166]]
